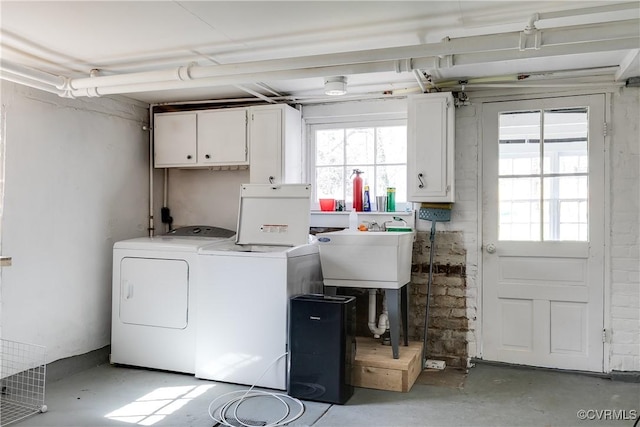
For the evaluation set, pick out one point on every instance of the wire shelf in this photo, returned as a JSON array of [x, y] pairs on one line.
[[22, 380]]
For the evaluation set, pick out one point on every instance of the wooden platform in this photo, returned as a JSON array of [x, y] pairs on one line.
[[376, 368]]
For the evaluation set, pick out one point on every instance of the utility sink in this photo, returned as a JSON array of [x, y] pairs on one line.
[[365, 259]]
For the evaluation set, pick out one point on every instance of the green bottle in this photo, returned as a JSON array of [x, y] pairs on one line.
[[391, 199]]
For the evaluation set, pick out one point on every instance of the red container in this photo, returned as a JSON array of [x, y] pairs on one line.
[[357, 190], [327, 205]]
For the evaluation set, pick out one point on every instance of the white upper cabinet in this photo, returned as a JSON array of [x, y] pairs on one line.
[[222, 137], [430, 148], [201, 138], [174, 138], [276, 144]]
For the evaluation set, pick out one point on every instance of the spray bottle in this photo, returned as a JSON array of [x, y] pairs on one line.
[[357, 190]]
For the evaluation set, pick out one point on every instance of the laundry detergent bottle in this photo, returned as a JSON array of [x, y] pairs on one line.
[[357, 190]]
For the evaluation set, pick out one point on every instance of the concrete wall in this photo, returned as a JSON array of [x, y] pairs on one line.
[[76, 181], [204, 197]]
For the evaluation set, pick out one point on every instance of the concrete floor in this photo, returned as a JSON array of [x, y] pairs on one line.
[[491, 396]]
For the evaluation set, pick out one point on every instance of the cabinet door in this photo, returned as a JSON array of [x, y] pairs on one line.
[[174, 138], [430, 133], [222, 137], [265, 129]]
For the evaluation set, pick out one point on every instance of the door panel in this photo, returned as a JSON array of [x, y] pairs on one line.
[[543, 232], [154, 292]]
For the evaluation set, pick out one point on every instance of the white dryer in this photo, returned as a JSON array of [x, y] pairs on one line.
[[243, 297], [154, 298]]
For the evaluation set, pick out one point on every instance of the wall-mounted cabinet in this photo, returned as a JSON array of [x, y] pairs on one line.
[[276, 144], [268, 138], [201, 138], [430, 148]]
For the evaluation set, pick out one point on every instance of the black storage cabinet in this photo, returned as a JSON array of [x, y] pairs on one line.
[[322, 347]]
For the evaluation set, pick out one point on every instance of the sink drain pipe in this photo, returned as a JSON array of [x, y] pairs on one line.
[[434, 212]]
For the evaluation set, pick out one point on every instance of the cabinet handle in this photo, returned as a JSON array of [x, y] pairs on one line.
[[271, 179], [188, 156], [206, 156], [420, 176]]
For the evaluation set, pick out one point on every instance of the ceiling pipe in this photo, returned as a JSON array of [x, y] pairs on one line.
[[377, 67], [531, 24], [25, 81], [462, 51], [418, 77], [429, 63], [567, 36], [32, 74]]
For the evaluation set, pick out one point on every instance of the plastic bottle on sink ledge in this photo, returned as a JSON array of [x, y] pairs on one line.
[[353, 220]]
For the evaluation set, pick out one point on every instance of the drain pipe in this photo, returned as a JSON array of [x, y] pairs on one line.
[[383, 321], [151, 173]]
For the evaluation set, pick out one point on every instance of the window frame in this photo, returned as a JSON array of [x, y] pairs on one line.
[[386, 120]]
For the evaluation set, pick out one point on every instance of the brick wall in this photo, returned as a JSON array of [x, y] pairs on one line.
[[448, 323], [624, 156]]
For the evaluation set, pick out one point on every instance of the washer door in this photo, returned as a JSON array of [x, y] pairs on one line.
[[154, 292]]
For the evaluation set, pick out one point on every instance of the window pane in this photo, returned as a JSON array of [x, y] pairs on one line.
[[330, 182], [392, 176], [564, 151], [565, 214], [519, 149], [519, 209], [359, 145], [380, 152], [329, 147], [565, 140], [391, 145]]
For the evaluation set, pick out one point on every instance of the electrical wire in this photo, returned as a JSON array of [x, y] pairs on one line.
[[219, 415]]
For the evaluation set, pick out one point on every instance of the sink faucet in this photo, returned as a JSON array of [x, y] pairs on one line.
[[372, 226]]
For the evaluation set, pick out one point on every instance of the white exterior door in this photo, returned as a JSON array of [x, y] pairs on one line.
[[543, 232]]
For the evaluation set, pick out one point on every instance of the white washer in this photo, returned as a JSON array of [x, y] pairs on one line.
[[154, 298], [243, 298]]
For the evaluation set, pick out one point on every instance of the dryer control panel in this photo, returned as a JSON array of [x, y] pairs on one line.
[[202, 231]]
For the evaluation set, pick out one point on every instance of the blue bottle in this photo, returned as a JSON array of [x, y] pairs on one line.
[[366, 202]]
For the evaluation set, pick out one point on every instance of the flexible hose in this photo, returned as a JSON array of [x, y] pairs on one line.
[[220, 415]]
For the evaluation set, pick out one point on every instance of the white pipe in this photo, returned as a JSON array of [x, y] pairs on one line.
[[31, 83], [238, 79], [383, 323], [585, 11], [151, 173], [418, 77], [32, 74], [568, 36]]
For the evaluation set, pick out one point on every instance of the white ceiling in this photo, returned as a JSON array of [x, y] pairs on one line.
[[70, 39]]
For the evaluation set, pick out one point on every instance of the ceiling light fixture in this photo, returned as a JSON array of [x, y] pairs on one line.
[[335, 86]]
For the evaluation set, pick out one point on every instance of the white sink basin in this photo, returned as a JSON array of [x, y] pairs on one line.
[[365, 259]]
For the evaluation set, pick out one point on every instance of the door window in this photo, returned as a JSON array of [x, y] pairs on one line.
[[544, 175]]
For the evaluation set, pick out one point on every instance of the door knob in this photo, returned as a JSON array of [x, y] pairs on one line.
[[491, 248]]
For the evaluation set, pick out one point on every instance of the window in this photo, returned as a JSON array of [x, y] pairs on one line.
[[544, 187], [379, 149]]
